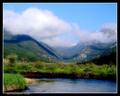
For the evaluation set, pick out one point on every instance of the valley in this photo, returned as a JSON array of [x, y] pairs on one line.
[[29, 58]]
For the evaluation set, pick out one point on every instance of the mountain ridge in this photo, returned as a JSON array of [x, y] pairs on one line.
[[79, 53]]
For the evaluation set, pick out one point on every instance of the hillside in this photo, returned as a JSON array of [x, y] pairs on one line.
[[27, 47], [85, 53], [107, 58]]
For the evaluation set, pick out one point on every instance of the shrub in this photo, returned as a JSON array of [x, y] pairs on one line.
[[12, 58], [13, 82]]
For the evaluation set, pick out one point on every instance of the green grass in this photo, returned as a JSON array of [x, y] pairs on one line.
[[102, 71], [14, 81]]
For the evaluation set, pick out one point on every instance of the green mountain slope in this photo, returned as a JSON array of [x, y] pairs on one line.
[[27, 48]]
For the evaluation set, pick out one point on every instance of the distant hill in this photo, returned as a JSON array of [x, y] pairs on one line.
[[97, 50], [27, 47], [106, 58], [85, 53]]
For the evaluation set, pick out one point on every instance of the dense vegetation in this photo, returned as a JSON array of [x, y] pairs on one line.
[[13, 82], [88, 70]]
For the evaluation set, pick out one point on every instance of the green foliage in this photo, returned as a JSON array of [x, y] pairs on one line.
[[104, 70], [14, 81], [27, 50], [12, 58]]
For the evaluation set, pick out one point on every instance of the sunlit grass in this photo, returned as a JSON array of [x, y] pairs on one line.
[[88, 69], [13, 81]]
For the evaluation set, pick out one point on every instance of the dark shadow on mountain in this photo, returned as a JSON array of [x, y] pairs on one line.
[[21, 38]]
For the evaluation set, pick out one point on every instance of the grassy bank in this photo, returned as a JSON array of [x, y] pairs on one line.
[[13, 82], [76, 70]]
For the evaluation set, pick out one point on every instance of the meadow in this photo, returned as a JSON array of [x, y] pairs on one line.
[[88, 70]]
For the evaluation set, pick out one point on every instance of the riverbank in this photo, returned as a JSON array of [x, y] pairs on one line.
[[14, 82], [19, 75], [25, 79], [63, 75], [31, 81], [53, 70]]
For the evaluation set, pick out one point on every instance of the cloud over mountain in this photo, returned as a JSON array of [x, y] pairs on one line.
[[106, 34], [34, 21], [46, 26]]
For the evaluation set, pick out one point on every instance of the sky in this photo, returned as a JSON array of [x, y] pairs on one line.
[[62, 24]]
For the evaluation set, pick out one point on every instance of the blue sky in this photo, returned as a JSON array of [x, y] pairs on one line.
[[89, 16]]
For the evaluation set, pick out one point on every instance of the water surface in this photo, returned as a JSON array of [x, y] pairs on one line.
[[72, 85]]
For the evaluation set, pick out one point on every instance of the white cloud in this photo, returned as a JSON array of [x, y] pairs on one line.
[[57, 41], [46, 26], [107, 34], [35, 22]]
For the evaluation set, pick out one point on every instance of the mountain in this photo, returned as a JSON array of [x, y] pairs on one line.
[[87, 52], [106, 58], [96, 51], [25, 46]]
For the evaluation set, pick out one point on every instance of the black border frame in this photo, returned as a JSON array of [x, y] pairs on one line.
[[82, 1]]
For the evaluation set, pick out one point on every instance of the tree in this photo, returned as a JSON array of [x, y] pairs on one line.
[[12, 58]]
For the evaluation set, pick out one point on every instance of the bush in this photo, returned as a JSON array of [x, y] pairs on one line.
[[12, 58], [13, 82]]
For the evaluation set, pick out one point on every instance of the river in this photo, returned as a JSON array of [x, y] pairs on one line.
[[72, 86]]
